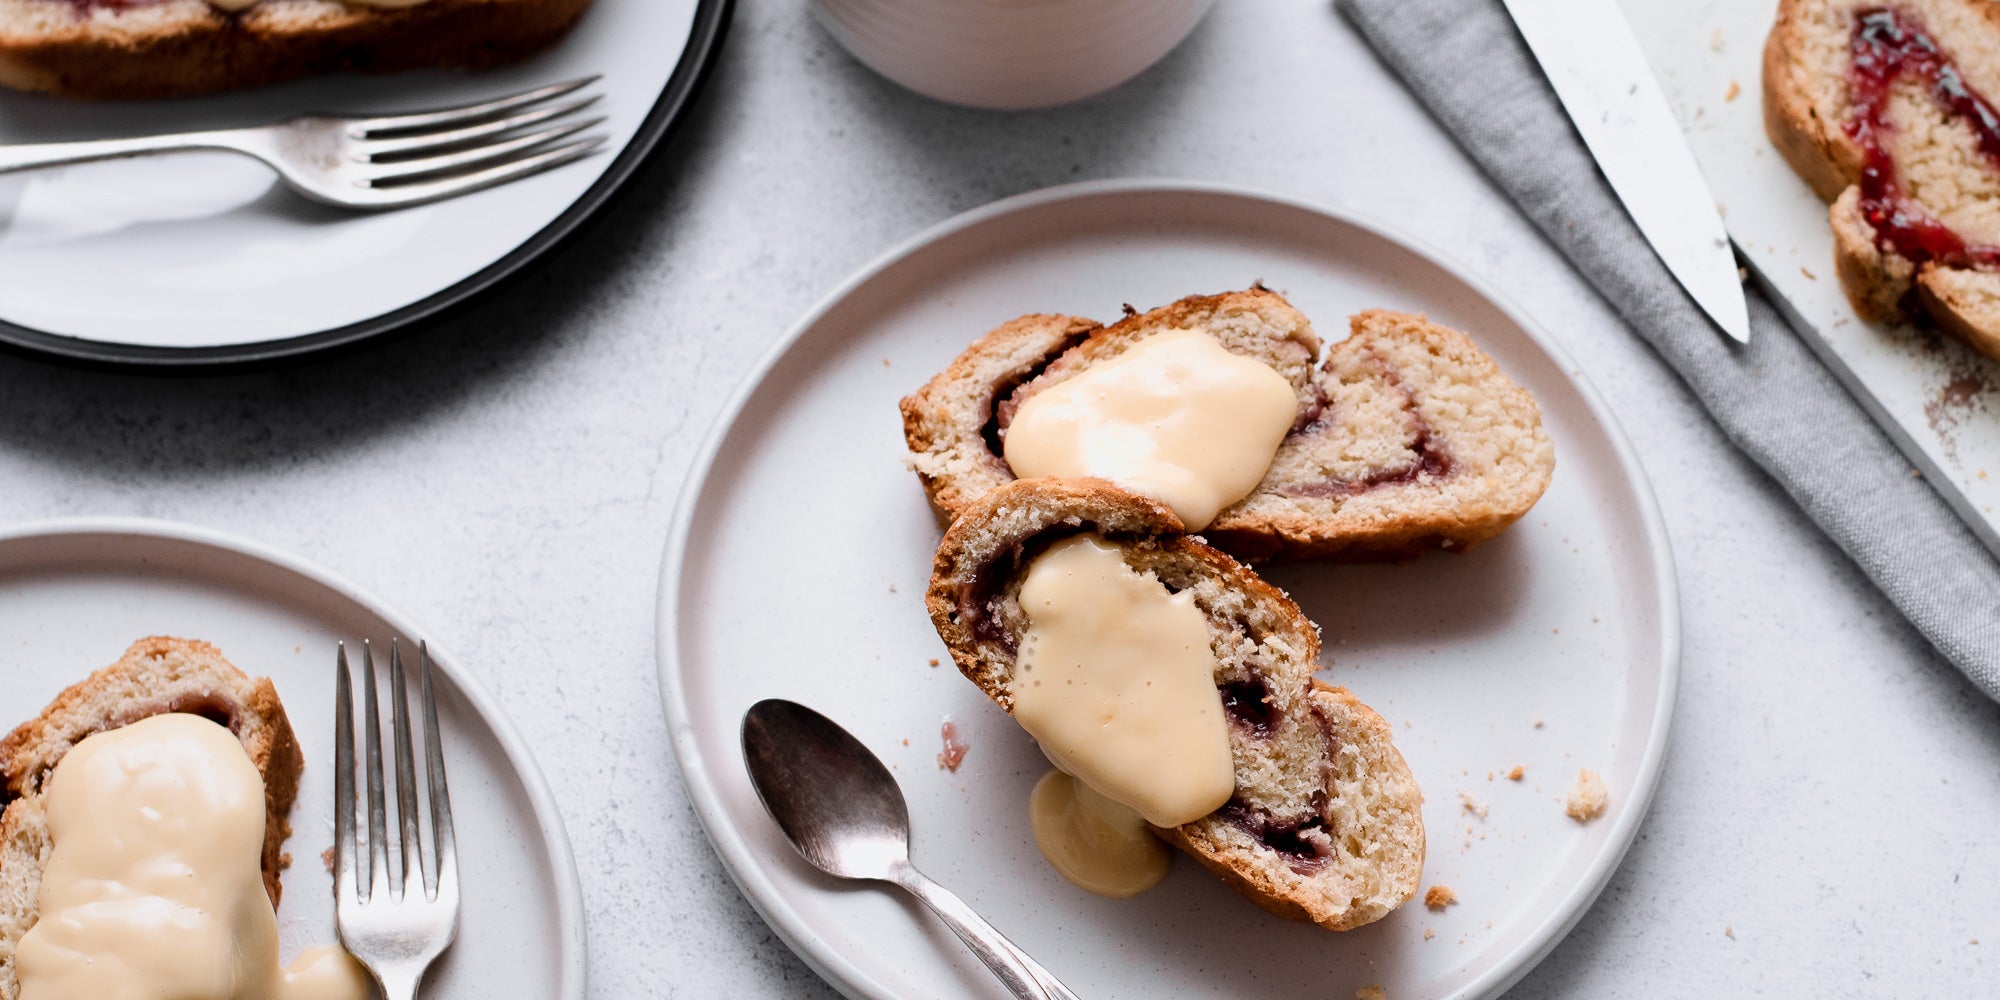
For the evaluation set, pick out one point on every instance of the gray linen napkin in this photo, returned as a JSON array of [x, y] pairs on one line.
[[1773, 398]]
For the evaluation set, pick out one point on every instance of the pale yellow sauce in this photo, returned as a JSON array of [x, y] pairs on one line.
[[154, 887], [1115, 677], [1099, 845], [1177, 417]]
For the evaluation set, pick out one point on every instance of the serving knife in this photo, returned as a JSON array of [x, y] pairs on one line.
[[1592, 58]]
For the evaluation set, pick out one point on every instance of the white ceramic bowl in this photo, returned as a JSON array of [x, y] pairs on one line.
[[1010, 54]]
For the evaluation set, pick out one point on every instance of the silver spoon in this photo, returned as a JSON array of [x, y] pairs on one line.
[[840, 807]]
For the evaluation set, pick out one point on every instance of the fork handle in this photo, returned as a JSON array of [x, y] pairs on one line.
[[400, 984], [1021, 974], [56, 154]]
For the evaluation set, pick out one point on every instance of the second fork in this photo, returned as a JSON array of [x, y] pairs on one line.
[[395, 923]]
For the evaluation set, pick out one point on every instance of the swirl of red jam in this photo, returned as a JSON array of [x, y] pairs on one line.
[[1886, 45]]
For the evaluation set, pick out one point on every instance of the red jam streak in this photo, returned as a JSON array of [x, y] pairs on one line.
[[955, 749], [1886, 45], [1431, 464]]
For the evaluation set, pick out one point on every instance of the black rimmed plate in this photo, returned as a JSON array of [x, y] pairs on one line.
[[202, 260]]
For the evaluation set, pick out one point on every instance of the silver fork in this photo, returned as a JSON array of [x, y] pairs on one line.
[[394, 926], [378, 163]]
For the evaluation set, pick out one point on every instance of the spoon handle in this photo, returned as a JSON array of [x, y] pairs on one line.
[[1021, 974]]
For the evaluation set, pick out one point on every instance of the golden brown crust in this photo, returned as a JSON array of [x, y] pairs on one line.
[[1355, 478], [1193, 311], [1880, 284], [1499, 465], [205, 50], [1965, 303], [1876, 282], [1256, 883], [1816, 148], [30, 752], [1346, 745]]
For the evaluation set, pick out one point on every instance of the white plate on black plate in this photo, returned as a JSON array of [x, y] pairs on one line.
[[203, 259], [74, 594], [797, 564]]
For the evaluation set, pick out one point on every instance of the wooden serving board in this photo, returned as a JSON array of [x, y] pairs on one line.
[[1938, 399]]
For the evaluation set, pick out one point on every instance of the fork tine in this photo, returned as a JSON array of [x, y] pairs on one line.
[[408, 846], [404, 195], [404, 170], [345, 885], [376, 149], [378, 834], [466, 112], [444, 841]]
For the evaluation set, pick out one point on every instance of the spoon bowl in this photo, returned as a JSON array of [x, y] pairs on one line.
[[833, 799]]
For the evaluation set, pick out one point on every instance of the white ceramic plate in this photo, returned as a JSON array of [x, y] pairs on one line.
[[798, 559], [204, 259], [74, 594]]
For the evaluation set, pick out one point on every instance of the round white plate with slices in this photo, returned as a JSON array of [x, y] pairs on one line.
[[798, 559], [203, 259], [75, 593]]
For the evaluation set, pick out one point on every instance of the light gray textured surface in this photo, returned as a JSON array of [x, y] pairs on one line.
[[1832, 789]]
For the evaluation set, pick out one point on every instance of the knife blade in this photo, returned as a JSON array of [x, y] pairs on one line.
[[1593, 60]]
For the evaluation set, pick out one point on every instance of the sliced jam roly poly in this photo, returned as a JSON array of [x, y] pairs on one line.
[[1887, 44]]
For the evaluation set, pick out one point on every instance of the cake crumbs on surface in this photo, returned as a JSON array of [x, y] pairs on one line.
[[1489, 776], [1538, 723], [1470, 804], [1437, 897], [1586, 800], [934, 661], [906, 741], [327, 857], [954, 750], [1734, 90], [1373, 991], [1428, 934], [1809, 275], [1729, 932], [1517, 773]]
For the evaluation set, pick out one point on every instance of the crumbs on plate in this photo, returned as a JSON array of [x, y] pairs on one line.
[[1586, 801]]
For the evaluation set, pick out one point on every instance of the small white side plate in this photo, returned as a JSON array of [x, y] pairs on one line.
[[205, 254], [74, 594], [798, 559]]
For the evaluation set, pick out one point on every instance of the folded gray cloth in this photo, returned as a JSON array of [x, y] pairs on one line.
[[1773, 398]]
